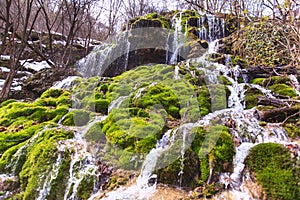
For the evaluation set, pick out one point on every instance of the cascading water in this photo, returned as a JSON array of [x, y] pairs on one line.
[[83, 163], [103, 55], [295, 83], [176, 40], [211, 27]]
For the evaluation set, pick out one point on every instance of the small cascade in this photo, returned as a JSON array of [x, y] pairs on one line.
[[185, 144], [202, 28], [176, 73], [66, 83], [145, 184], [83, 164], [93, 64], [12, 166], [295, 83], [141, 189], [45, 189], [116, 103], [127, 47], [105, 54]]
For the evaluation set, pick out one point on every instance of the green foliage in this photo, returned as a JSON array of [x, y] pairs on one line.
[[263, 43], [275, 170], [283, 89], [293, 128]]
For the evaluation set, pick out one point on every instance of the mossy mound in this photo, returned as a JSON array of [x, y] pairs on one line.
[[284, 90], [149, 20], [20, 121], [275, 170], [34, 159], [251, 97], [90, 94], [208, 149], [130, 131]]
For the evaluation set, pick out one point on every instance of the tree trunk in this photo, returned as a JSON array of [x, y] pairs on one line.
[[276, 115], [4, 94]]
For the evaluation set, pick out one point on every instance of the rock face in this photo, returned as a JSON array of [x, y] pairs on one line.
[[155, 39], [39, 82]]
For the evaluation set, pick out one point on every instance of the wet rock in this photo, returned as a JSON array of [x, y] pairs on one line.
[[43, 80]]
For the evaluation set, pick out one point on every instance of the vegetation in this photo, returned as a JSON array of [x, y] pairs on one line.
[[274, 170]]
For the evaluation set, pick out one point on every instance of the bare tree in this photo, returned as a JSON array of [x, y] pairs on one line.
[[20, 18]]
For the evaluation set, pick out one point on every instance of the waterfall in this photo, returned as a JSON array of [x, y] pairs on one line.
[[176, 38], [211, 27], [295, 83], [94, 63], [142, 188], [45, 190], [105, 54]]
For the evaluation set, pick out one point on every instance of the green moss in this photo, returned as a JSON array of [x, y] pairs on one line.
[[251, 97], [95, 134], [101, 105], [283, 89], [271, 80], [258, 81], [130, 134], [85, 187], [40, 156], [77, 117], [150, 20], [204, 100], [275, 170], [222, 79], [14, 137], [59, 184], [218, 96], [293, 129], [211, 147], [5, 103]]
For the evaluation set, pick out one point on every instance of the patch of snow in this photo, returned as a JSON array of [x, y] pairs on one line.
[[2, 82], [37, 66], [4, 69], [59, 42], [18, 88], [4, 57]]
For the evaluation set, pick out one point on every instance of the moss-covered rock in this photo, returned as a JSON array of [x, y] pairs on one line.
[[77, 117], [149, 20], [283, 89], [251, 99], [39, 160], [208, 149], [274, 170]]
